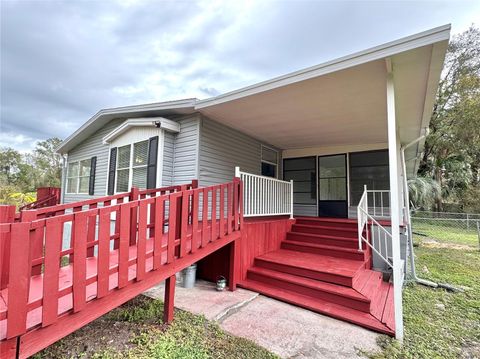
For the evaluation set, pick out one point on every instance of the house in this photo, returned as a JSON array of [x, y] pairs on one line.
[[336, 130], [322, 154]]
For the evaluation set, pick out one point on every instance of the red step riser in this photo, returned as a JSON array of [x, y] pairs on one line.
[[332, 231], [358, 256], [294, 236], [311, 292], [302, 272], [326, 223], [301, 303]]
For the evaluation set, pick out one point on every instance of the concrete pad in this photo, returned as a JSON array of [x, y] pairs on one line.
[[287, 330], [204, 299], [293, 332]]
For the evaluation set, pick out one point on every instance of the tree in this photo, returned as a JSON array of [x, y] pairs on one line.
[[48, 163], [21, 174], [452, 149]]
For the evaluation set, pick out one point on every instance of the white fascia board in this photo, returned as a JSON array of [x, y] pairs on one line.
[[163, 123], [428, 37], [167, 105]]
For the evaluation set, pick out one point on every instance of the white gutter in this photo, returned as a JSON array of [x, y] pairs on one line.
[[407, 213]]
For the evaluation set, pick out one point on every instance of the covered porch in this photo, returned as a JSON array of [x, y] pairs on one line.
[[344, 136]]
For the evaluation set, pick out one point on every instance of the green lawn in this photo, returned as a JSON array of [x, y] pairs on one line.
[[135, 331], [445, 233], [438, 323]]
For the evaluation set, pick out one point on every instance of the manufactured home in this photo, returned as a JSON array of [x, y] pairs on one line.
[[320, 158]]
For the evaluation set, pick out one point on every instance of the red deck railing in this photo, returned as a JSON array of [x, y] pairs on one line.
[[60, 263], [46, 196]]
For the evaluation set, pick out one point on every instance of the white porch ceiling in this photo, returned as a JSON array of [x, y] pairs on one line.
[[342, 102]]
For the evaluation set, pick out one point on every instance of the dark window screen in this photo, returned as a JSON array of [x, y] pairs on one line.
[[303, 173], [269, 170], [368, 168]]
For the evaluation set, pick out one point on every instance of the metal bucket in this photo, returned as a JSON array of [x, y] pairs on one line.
[[189, 276]]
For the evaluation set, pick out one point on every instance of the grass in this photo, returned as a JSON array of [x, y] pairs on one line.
[[438, 323], [449, 234], [135, 331]]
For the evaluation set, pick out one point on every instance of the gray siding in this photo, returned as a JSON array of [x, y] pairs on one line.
[[93, 146], [221, 149], [168, 156], [185, 164], [305, 210]]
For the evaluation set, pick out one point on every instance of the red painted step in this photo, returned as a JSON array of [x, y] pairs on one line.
[[332, 251], [328, 222], [329, 269], [323, 239], [326, 230], [318, 305], [333, 293]]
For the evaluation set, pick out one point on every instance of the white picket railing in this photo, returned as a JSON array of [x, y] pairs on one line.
[[265, 196], [380, 236], [379, 202]]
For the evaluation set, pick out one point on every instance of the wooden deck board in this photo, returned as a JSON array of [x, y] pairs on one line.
[[65, 302]]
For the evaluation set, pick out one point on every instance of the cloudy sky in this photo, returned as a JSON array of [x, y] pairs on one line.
[[62, 61]]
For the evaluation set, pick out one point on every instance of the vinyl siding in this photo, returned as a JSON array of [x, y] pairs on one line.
[[93, 146], [221, 149], [305, 210], [168, 156], [185, 164]]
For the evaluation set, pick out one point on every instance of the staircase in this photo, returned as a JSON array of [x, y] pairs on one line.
[[319, 267]]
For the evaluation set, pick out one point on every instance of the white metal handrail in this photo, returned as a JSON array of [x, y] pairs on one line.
[[380, 237], [265, 196], [380, 204]]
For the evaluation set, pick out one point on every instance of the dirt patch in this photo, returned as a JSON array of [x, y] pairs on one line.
[[471, 351], [107, 333], [433, 243]]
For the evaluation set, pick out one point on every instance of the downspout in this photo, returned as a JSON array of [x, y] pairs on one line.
[[406, 197]]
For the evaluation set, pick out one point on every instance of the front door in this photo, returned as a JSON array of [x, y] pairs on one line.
[[332, 182]]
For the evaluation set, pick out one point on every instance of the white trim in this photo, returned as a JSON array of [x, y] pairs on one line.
[[160, 151], [393, 143], [332, 150], [177, 105], [157, 122], [268, 162], [78, 176], [428, 37]]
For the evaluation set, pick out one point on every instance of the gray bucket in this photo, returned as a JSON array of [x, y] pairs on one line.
[[189, 276]]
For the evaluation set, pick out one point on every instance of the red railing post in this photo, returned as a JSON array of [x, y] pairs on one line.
[[18, 288], [37, 240], [178, 227], [169, 299], [134, 195], [7, 215]]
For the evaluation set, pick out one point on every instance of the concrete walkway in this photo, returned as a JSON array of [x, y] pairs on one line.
[[287, 330]]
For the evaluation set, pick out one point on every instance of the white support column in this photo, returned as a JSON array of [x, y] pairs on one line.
[[395, 207]]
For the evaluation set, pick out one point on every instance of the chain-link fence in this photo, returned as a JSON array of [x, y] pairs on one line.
[[460, 227]]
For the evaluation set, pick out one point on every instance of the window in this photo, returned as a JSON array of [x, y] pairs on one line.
[[303, 173], [132, 163], [269, 162], [78, 176], [368, 168]]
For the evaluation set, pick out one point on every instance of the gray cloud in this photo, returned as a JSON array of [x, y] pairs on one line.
[[62, 61]]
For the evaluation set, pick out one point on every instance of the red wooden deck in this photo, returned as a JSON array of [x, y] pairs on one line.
[[48, 292], [318, 266]]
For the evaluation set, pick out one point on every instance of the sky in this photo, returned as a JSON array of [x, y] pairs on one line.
[[63, 61]]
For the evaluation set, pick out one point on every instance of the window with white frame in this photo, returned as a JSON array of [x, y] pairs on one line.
[[132, 161], [269, 162], [78, 177]]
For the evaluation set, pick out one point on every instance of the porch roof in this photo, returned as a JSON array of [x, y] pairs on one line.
[[342, 102]]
